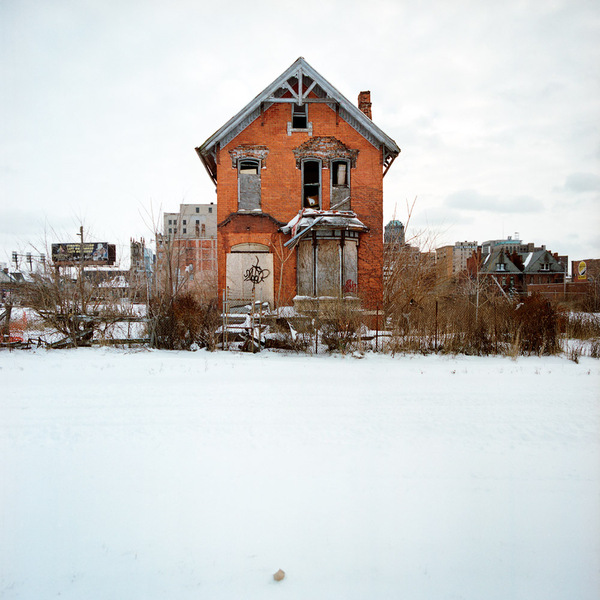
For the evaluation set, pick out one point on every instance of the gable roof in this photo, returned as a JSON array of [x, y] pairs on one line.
[[533, 262], [530, 262], [299, 80], [498, 256]]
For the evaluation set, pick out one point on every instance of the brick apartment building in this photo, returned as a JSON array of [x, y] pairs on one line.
[[520, 272], [300, 165], [187, 248], [451, 261]]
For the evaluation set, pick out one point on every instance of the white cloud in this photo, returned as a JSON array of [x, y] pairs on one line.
[[582, 182], [472, 200]]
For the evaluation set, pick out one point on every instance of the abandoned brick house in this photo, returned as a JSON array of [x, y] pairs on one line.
[[299, 178]]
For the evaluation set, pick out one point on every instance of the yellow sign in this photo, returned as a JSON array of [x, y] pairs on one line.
[[581, 271]]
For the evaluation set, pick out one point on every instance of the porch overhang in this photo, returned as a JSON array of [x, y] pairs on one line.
[[309, 219]]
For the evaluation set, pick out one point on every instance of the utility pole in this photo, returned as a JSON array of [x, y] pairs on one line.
[[81, 282]]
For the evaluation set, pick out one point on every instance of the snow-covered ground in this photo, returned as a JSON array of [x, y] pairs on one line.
[[154, 475]]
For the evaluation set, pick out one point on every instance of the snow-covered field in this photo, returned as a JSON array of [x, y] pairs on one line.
[[154, 475]]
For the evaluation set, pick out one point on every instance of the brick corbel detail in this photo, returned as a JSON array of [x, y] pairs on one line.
[[254, 151], [326, 148]]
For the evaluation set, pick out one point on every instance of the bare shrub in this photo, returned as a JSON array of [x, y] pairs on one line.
[[536, 326], [582, 326], [74, 307], [178, 322], [339, 325]]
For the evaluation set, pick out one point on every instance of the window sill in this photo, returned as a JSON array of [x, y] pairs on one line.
[[308, 129]]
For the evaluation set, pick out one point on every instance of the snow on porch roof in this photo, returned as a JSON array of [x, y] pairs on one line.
[[309, 218]]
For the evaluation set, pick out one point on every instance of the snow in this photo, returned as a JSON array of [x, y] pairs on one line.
[[154, 474]]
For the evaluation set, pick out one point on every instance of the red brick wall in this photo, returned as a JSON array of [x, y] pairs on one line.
[[281, 183]]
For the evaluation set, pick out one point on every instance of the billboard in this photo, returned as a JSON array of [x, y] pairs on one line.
[[94, 253], [579, 270]]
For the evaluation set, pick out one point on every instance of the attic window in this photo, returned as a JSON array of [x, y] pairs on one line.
[[500, 267], [299, 116], [545, 267]]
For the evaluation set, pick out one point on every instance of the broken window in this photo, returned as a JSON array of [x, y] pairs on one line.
[[249, 185], [311, 184], [299, 116], [340, 185]]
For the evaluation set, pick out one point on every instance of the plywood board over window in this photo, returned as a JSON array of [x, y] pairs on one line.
[[350, 274], [249, 185], [305, 268], [328, 268]]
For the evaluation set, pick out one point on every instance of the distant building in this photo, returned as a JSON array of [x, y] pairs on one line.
[[141, 269], [520, 272], [585, 283], [452, 260], [142, 259], [193, 221], [187, 249], [394, 233], [509, 244]]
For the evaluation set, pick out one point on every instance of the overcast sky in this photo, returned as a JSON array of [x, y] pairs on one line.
[[495, 105]]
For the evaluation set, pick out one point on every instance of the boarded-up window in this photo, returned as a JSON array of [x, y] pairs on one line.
[[306, 268], [328, 268], [249, 185], [333, 273], [350, 274], [340, 185]]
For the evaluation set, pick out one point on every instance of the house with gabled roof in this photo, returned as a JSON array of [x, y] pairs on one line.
[[299, 179], [520, 272]]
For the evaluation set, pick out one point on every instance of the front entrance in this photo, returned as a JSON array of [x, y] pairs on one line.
[[248, 265]]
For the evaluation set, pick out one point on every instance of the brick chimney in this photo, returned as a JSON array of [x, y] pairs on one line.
[[364, 103]]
